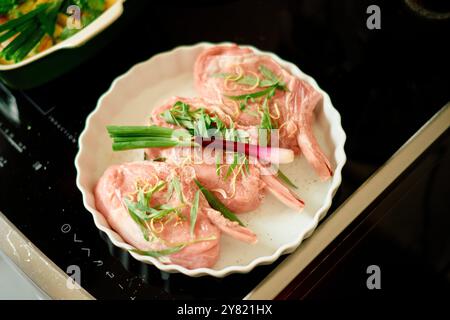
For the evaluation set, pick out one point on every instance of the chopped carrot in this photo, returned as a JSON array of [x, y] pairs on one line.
[[109, 3], [61, 19], [58, 30], [26, 7], [3, 19], [46, 43]]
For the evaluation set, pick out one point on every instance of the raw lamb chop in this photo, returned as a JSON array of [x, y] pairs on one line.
[[227, 75], [244, 194], [120, 185]]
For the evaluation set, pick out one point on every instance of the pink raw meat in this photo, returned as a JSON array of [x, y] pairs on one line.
[[247, 194], [119, 181], [291, 110]]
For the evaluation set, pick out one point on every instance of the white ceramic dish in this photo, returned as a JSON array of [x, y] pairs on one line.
[[130, 100], [98, 25]]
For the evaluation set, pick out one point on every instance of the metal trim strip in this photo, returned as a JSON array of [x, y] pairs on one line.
[[284, 273]]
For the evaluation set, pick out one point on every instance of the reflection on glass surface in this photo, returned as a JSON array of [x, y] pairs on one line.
[[409, 241], [8, 105]]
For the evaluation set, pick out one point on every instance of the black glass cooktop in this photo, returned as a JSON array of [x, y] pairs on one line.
[[386, 83]]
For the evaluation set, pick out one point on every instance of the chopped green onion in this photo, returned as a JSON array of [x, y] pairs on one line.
[[266, 120], [18, 41], [160, 185], [273, 79], [177, 187], [216, 204], [194, 211], [140, 223], [285, 179], [18, 21], [141, 212], [139, 137], [232, 165], [132, 131], [200, 127], [33, 40], [8, 34], [246, 80], [161, 212], [119, 146], [253, 95], [267, 83], [145, 138], [160, 253], [268, 73], [6, 5], [30, 29], [136, 209], [169, 191]]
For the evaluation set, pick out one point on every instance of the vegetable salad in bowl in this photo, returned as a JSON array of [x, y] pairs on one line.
[[28, 27]]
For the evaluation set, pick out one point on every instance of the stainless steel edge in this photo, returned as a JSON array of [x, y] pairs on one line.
[[284, 273], [36, 266]]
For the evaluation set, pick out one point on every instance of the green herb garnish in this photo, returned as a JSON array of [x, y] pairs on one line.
[[140, 210], [6, 5], [160, 253], [271, 84], [181, 115], [267, 73], [216, 204], [139, 137], [232, 165], [251, 80], [140, 223], [194, 211], [199, 123], [253, 95], [266, 120], [285, 179], [177, 187]]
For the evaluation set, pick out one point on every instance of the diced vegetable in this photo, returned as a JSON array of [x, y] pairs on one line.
[[6, 5], [216, 204]]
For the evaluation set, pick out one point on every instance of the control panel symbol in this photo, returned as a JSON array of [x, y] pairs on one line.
[[65, 228], [99, 263], [87, 250], [37, 166], [3, 162], [75, 238]]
